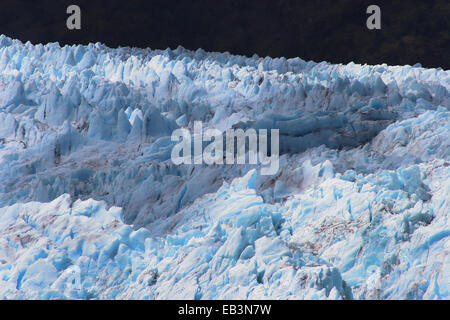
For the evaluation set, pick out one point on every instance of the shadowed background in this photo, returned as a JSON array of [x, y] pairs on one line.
[[335, 31]]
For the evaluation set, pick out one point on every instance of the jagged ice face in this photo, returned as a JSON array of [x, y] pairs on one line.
[[92, 205]]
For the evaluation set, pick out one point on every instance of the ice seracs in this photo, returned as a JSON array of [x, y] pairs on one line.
[[92, 207], [341, 239]]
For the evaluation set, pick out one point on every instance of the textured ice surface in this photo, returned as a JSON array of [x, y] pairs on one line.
[[92, 207], [372, 237]]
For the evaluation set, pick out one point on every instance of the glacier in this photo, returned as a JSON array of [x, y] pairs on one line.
[[91, 206]]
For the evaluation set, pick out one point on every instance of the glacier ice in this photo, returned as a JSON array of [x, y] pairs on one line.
[[343, 239], [91, 206]]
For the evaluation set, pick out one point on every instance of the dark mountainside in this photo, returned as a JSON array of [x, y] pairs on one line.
[[335, 31]]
